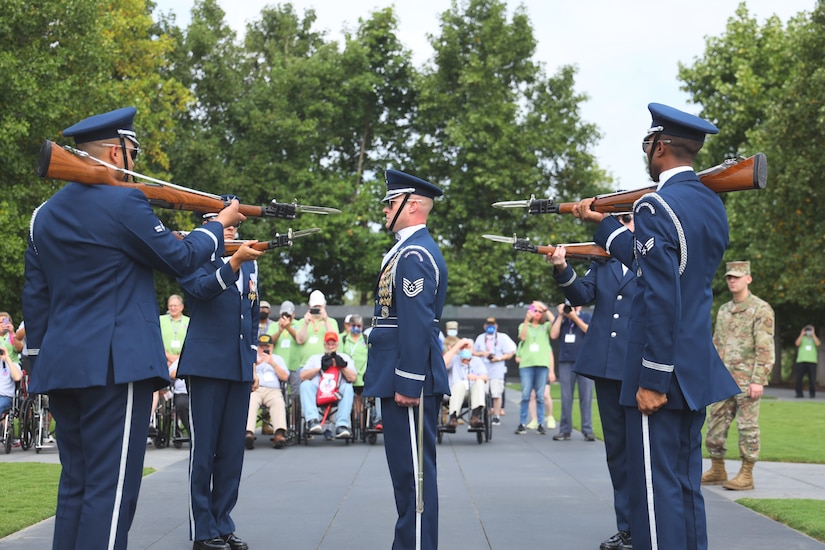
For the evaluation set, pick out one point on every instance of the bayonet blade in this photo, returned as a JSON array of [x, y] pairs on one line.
[[304, 232], [304, 209], [512, 204], [500, 238]]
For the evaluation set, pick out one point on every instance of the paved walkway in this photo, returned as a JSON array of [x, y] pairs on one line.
[[515, 492]]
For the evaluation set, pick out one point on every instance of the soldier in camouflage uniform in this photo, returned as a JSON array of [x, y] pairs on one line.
[[745, 342]]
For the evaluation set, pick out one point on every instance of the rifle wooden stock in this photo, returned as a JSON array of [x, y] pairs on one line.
[[57, 163], [574, 251], [731, 175]]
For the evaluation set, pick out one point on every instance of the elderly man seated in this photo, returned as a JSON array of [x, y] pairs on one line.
[[311, 378], [272, 371], [467, 374]]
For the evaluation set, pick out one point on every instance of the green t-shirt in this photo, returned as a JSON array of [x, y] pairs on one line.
[[285, 347], [173, 332], [535, 349], [357, 349], [807, 352], [314, 343]]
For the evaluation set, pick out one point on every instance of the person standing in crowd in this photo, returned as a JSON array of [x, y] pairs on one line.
[[284, 344], [569, 328], [452, 335], [672, 370], [406, 368], [265, 324], [612, 286], [310, 330], [495, 349], [100, 387], [218, 361], [535, 357], [807, 358], [744, 339]]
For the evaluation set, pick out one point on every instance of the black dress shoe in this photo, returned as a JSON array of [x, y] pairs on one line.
[[619, 541], [211, 544], [234, 542]]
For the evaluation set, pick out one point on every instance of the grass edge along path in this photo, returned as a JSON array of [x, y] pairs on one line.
[[29, 492]]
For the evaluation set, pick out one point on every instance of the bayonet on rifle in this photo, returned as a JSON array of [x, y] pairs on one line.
[[575, 251]]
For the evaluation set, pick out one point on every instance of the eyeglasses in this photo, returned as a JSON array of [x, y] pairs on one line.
[[646, 143], [133, 151], [389, 202]]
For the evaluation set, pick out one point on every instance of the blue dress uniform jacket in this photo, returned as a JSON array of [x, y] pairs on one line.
[[92, 326], [405, 357], [218, 361], [602, 358], [680, 238]]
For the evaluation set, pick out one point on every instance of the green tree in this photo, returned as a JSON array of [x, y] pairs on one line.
[[63, 61], [493, 126], [767, 80]]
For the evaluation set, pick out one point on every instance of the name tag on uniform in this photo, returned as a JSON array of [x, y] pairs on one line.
[[269, 377], [809, 347], [174, 344], [534, 348], [285, 343], [313, 340], [569, 338]]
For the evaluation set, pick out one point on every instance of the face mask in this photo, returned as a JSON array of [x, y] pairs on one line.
[[490, 329], [452, 332], [465, 354], [355, 330], [264, 315]]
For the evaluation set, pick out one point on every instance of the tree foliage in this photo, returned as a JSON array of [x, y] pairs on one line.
[[763, 83]]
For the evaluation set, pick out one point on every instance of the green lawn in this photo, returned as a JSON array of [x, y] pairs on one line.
[[29, 492], [786, 436]]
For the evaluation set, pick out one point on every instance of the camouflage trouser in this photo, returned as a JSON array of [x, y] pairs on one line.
[[746, 411]]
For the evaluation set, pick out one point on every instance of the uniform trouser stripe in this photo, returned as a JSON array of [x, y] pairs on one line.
[[416, 466], [651, 508], [121, 472]]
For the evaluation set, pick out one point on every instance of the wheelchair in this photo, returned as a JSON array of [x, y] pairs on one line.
[[35, 430], [329, 410], [11, 424], [364, 426], [292, 403], [169, 430], [484, 433]]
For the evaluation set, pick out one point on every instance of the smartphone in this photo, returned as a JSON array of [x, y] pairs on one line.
[[315, 310]]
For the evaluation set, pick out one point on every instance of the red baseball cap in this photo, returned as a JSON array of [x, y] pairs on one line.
[[330, 336]]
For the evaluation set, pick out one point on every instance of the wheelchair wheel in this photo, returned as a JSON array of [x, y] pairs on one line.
[[8, 432], [372, 438], [27, 426], [488, 420]]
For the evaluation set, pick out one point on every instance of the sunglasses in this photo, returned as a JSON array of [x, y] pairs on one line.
[[133, 151]]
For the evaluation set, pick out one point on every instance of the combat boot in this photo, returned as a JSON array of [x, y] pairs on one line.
[[743, 480], [717, 474]]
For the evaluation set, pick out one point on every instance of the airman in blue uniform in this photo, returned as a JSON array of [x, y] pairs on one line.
[[218, 361], [92, 326], [404, 366], [612, 286], [672, 370]]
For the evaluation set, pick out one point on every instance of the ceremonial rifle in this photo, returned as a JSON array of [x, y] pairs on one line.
[[65, 163], [731, 175], [574, 251], [231, 246]]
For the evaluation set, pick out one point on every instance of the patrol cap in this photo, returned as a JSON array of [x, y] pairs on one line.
[[264, 339], [287, 307], [265, 304], [676, 123], [331, 335], [738, 269], [399, 183], [114, 124], [452, 325]]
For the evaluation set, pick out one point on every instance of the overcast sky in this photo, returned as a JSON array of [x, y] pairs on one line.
[[626, 52]]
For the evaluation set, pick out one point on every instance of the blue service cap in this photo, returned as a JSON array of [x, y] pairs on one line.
[[399, 183], [676, 123], [114, 124]]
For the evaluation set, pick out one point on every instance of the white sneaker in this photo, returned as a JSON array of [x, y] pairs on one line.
[[532, 425], [550, 421]]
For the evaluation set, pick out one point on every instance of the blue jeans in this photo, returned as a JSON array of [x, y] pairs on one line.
[[309, 394], [532, 378]]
